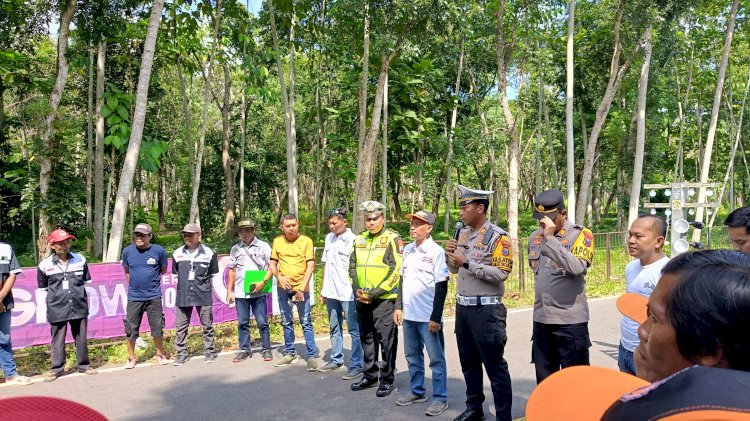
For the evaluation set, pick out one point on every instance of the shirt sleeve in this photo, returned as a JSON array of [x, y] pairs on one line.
[[233, 257], [175, 266], [86, 273], [309, 250], [326, 246], [14, 266], [274, 252], [267, 255], [440, 267], [583, 247], [42, 279], [494, 272], [556, 252], [125, 259], [213, 267], [164, 258]]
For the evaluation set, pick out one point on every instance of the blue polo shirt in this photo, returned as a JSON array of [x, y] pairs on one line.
[[145, 267]]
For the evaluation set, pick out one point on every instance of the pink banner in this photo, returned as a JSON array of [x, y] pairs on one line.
[[108, 296]]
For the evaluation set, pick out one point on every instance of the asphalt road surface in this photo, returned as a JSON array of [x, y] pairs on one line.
[[256, 390]]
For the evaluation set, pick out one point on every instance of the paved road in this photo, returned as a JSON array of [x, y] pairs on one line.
[[256, 390]]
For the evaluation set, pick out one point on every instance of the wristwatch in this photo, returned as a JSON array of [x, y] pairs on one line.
[[466, 265]]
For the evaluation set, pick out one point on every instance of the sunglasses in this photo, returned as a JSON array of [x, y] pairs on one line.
[[337, 212]]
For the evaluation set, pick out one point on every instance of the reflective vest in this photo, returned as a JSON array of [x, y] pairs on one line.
[[378, 260]]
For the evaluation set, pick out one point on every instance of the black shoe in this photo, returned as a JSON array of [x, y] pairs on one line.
[[363, 384], [470, 415], [241, 356], [384, 390]]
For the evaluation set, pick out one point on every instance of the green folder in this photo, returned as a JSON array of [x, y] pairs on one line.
[[256, 276]]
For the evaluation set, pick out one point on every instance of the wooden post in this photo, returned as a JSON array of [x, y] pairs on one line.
[[609, 256], [521, 266]]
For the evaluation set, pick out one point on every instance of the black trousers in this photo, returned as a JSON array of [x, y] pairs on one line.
[[59, 330], [559, 346], [377, 330], [182, 322], [480, 333]]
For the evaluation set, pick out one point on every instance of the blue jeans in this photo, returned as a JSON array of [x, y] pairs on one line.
[[416, 338], [7, 363], [260, 312], [303, 311], [337, 311], [625, 361]]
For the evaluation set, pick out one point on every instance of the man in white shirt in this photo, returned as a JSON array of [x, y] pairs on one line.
[[645, 243], [419, 309], [336, 293]]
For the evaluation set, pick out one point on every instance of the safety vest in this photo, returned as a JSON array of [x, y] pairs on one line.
[[378, 260]]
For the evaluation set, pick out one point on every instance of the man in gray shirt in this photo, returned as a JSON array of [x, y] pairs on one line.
[[559, 253]]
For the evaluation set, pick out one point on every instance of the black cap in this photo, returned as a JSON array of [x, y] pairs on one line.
[[548, 203]]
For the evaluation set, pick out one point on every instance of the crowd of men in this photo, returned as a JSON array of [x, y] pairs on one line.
[[698, 303]]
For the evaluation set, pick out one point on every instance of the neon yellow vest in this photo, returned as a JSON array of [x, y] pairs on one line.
[[377, 267]]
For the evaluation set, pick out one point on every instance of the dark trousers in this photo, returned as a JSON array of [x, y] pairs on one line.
[[182, 321], [480, 333], [559, 346], [377, 330], [59, 330]]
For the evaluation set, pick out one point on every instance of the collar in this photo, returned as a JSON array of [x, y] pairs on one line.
[[426, 244], [371, 235], [56, 259], [566, 227], [200, 249], [345, 234], [252, 243]]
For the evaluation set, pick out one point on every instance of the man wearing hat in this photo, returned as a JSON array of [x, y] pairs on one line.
[[64, 276], [144, 263], [250, 253], [559, 252], [194, 264], [419, 309], [482, 256], [374, 270]]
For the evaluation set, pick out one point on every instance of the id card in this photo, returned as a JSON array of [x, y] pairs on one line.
[[65, 284], [191, 275]]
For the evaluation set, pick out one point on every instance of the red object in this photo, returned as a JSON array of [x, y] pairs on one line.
[[33, 408], [59, 235]]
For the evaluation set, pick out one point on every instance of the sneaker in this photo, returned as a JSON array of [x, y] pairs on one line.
[[162, 360], [312, 364], [50, 377], [130, 365], [180, 360], [287, 359], [436, 408], [267, 355], [209, 358], [89, 371], [410, 399], [241, 356], [352, 373], [330, 366]]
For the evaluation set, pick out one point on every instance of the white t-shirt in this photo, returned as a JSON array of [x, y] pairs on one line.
[[640, 280], [336, 252], [255, 256], [421, 268]]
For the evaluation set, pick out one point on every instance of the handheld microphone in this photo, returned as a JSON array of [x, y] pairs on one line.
[[459, 225]]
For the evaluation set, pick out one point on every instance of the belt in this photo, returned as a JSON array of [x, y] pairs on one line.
[[475, 301]]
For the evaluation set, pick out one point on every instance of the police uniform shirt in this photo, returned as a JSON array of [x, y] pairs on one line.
[[423, 267], [490, 257], [559, 266], [65, 285], [8, 266], [203, 263], [244, 257], [336, 254]]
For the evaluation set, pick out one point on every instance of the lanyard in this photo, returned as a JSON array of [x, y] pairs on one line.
[[258, 266], [64, 271], [190, 256]]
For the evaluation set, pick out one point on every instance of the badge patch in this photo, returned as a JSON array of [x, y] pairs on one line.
[[588, 238], [427, 259], [564, 241], [537, 241], [151, 261]]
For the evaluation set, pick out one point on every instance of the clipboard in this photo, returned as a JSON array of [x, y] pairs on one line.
[[253, 277]]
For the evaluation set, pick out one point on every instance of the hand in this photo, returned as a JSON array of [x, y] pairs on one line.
[[258, 287], [451, 245], [548, 227], [434, 327], [361, 297], [299, 296], [455, 259], [398, 317], [230, 297], [284, 282]]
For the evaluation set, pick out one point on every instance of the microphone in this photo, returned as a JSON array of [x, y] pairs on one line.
[[459, 225]]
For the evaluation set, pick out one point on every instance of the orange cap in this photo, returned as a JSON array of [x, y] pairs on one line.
[[633, 305], [581, 393]]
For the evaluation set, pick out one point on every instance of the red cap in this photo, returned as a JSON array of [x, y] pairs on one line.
[[40, 408], [59, 235]]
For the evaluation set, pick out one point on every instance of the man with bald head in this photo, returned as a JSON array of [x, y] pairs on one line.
[[645, 242]]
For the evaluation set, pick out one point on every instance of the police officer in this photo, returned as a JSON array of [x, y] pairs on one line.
[[374, 268], [482, 255], [559, 253]]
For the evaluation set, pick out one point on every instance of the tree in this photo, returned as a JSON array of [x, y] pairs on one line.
[[569, 97], [635, 191]]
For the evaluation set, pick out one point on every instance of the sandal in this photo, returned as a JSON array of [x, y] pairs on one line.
[[19, 380], [162, 360], [130, 364]]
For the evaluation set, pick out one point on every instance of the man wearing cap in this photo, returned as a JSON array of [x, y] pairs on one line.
[[559, 252], [482, 255], [64, 276], [738, 229], [645, 241], [9, 268], [338, 296], [194, 264], [419, 308], [250, 253], [374, 270], [144, 263], [293, 264]]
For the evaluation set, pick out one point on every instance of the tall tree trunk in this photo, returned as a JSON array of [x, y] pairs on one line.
[[226, 160], [706, 164], [134, 145], [89, 144], [537, 152], [363, 82], [384, 198], [569, 140], [187, 119], [640, 143], [194, 210], [451, 132], [45, 160], [616, 74], [503, 63], [99, 152]]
